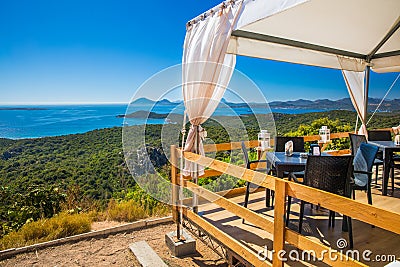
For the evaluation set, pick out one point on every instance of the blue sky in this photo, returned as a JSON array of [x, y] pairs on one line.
[[102, 51]]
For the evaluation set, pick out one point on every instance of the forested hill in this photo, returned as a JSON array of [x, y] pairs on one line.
[[388, 105], [95, 162]]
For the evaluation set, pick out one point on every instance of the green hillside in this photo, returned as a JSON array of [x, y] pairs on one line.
[[36, 175]]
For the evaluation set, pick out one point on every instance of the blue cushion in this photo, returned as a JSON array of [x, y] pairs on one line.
[[360, 179]]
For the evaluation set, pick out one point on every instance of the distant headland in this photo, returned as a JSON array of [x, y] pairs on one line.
[[324, 104], [26, 108]]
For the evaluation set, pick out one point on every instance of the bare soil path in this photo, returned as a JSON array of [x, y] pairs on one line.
[[113, 251]]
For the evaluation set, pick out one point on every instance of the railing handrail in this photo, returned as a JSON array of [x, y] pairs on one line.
[[254, 143], [363, 212]]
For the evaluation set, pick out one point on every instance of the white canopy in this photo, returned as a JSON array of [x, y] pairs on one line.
[[350, 35], [319, 32]]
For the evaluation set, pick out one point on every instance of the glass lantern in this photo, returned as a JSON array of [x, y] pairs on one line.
[[325, 134], [264, 140], [396, 131]]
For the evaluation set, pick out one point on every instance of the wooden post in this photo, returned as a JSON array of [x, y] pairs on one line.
[[279, 221], [175, 190]]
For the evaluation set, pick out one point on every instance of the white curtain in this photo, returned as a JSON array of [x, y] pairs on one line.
[[206, 72], [355, 85]]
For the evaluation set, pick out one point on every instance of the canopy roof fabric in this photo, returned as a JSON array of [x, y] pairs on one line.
[[352, 35], [338, 34]]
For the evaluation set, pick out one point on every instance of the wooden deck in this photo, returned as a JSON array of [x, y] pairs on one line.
[[315, 226]]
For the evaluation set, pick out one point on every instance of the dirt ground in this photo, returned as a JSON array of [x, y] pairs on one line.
[[114, 251]]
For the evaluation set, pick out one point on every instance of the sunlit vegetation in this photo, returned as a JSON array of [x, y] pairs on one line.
[[61, 225], [46, 183]]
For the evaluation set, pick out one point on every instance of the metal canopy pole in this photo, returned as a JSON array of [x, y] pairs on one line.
[[294, 43], [389, 34], [196, 167], [366, 89]]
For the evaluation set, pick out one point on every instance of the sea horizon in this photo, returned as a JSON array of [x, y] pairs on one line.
[[7, 104], [39, 121]]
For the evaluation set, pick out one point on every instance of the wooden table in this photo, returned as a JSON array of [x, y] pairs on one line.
[[387, 147]]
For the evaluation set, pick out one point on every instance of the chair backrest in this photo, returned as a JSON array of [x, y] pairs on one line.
[[368, 151], [379, 135], [364, 161], [245, 154], [329, 173], [280, 141], [356, 140]]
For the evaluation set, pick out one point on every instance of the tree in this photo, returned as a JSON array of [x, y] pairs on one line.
[[336, 126]]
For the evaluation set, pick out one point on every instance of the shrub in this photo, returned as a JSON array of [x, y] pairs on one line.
[[59, 226], [28, 204], [125, 211], [152, 206]]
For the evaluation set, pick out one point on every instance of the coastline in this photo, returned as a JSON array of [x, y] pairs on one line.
[[280, 118], [81, 122]]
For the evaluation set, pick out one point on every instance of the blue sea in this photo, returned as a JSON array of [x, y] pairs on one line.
[[54, 120]]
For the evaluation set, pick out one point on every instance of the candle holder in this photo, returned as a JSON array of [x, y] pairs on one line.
[[397, 140], [396, 131], [264, 140]]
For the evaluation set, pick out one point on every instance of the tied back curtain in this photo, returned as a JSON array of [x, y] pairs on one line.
[[355, 85], [206, 72]]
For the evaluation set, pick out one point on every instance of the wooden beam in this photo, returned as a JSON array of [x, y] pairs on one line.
[[239, 191], [229, 146], [207, 173], [339, 152], [254, 143], [279, 221], [324, 146], [258, 165], [258, 178], [313, 138], [211, 173], [227, 240], [242, 212], [174, 181], [382, 218]]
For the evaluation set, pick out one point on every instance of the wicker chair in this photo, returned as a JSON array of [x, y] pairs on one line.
[[248, 165], [362, 174], [280, 141], [331, 174], [385, 135], [356, 140], [379, 135]]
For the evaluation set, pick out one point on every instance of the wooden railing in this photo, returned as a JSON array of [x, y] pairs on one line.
[[363, 212]]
